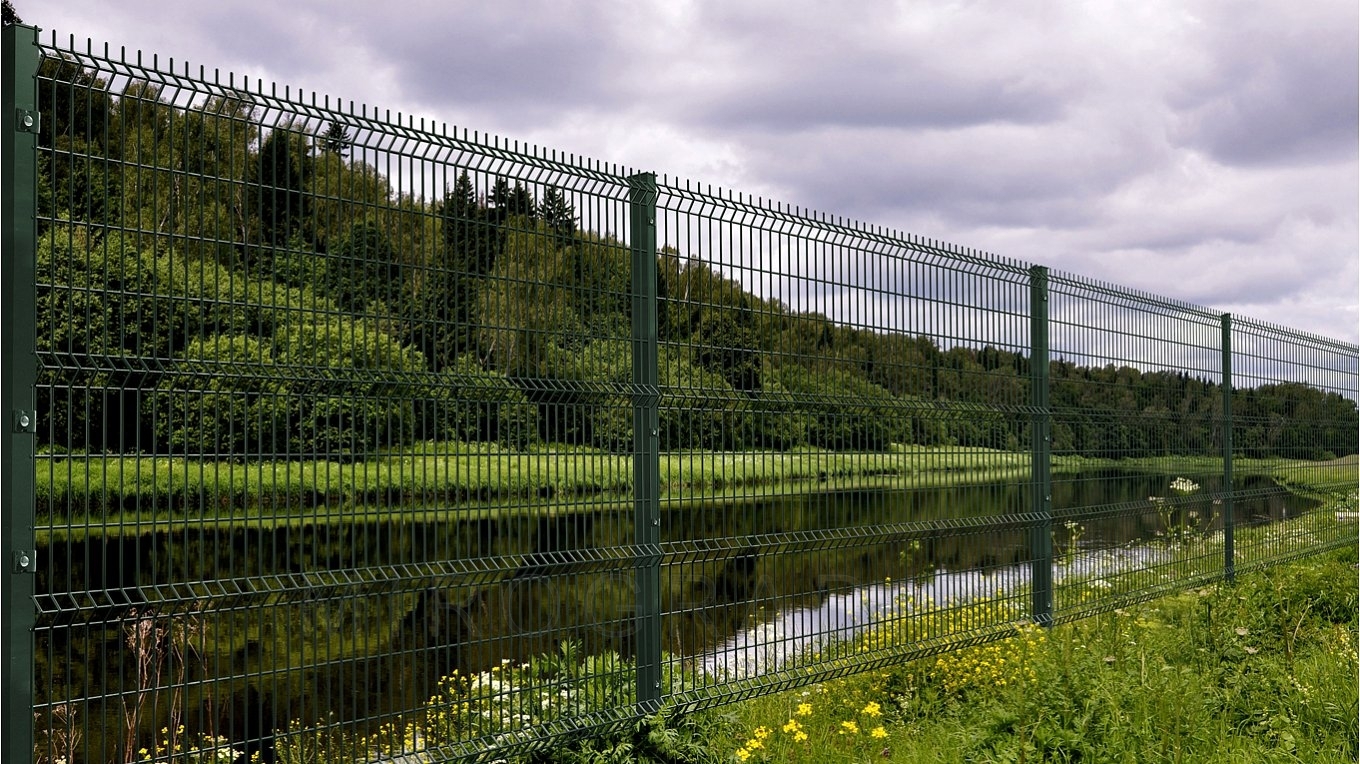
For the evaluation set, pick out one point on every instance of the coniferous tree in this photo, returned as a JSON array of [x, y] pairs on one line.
[[558, 213], [10, 17], [447, 291], [499, 198], [521, 203], [336, 140], [465, 229], [282, 205], [507, 201]]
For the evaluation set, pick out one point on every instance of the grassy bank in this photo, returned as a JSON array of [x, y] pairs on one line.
[[1263, 670], [114, 492]]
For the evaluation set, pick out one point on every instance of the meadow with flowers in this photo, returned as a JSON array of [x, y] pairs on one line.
[[1258, 671]]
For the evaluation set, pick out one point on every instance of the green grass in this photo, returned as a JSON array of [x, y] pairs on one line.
[[121, 491], [116, 494], [1263, 670]]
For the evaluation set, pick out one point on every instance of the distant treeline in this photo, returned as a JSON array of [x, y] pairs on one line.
[[208, 286]]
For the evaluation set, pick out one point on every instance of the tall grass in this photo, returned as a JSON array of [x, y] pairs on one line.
[[1263, 670]]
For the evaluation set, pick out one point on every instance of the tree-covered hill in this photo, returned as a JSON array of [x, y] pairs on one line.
[[219, 284]]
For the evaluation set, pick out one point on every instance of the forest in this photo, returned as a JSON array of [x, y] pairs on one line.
[[218, 281]]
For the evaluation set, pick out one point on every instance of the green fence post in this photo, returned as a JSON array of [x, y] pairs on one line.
[[19, 165], [1229, 568], [646, 502], [1041, 539]]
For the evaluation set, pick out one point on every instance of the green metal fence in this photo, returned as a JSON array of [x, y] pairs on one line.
[[340, 434]]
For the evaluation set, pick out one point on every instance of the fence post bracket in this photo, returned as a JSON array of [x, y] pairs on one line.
[[24, 561], [26, 422], [27, 121]]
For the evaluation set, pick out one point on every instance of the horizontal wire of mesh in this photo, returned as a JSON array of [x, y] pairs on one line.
[[337, 452]]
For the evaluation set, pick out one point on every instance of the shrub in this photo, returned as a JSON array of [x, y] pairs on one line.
[[848, 412], [698, 408], [472, 404]]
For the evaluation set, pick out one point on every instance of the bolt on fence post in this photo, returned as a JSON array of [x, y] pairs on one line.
[[19, 165], [1229, 568], [642, 195], [1041, 477]]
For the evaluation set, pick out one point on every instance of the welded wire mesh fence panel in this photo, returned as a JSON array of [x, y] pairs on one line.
[[823, 385], [1293, 420], [1156, 503], [1136, 396], [337, 428]]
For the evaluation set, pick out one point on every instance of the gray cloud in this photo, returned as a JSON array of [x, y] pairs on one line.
[[787, 69], [1278, 88]]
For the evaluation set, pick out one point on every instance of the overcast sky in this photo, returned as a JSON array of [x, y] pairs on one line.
[[1205, 151]]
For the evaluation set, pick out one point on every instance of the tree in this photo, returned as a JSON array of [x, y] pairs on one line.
[[362, 269], [468, 403], [74, 103], [558, 213], [468, 239], [847, 412], [87, 187], [282, 205], [446, 292], [336, 140], [511, 202], [10, 17]]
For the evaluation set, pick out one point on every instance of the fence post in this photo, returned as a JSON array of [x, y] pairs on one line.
[[646, 501], [1041, 538], [1229, 567], [19, 165]]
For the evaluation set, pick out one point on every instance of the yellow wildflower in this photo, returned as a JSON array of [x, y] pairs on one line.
[[879, 732], [872, 709], [804, 709], [850, 727]]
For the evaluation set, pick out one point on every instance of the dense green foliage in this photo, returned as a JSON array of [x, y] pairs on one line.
[[212, 282]]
